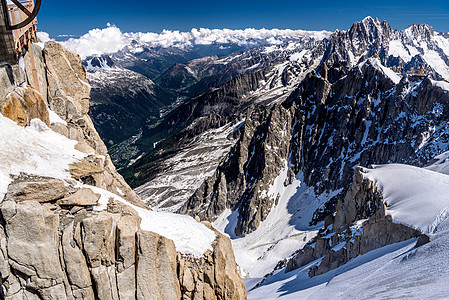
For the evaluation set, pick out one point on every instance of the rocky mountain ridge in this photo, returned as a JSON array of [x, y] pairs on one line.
[[341, 116], [278, 69], [345, 113], [361, 224], [344, 49], [173, 86]]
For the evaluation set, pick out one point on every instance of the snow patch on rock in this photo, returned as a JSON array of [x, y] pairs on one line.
[[190, 237], [35, 150]]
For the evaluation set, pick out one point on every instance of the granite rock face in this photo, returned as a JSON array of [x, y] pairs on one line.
[[54, 245], [40, 191]]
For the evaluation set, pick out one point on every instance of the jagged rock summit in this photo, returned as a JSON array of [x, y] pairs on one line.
[[71, 227]]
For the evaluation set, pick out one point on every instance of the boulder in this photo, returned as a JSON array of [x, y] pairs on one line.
[[24, 104], [422, 240], [40, 191], [82, 197], [86, 171], [117, 207], [32, 245]]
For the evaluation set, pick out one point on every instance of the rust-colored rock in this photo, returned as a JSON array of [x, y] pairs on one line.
[[24, 104]]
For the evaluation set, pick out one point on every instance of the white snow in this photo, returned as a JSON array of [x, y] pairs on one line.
[[190, 237], [397, 49], [443, 43], [298, 55], [414, 196], [375, 62], [437, 63], [35, 150], [442, 163], [226, 222], [397, 271], [434, 51], [441, 84], [187, 170], [54, 118]]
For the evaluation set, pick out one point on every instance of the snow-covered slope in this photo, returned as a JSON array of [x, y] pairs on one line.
[[397, 271], [38, 150], [190, 237], [33, 150], [285, 229], [414, 196]]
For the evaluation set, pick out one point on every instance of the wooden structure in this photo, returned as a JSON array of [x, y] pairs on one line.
[[18, 27], [22, 36]]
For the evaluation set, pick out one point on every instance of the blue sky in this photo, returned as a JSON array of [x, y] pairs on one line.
[[77, 17]]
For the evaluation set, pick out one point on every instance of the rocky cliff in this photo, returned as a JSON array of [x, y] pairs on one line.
[[82, 233], [360, 225]]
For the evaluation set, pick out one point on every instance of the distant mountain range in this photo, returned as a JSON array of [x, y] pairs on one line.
[[265, 142]]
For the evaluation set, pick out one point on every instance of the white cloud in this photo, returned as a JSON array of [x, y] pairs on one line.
[[111, 39], [43, 36], [98, 41]]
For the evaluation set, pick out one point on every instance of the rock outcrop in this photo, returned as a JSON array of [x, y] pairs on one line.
[[24, 104], [68, 96], [360, 225], [55, 245], [60, 250]]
